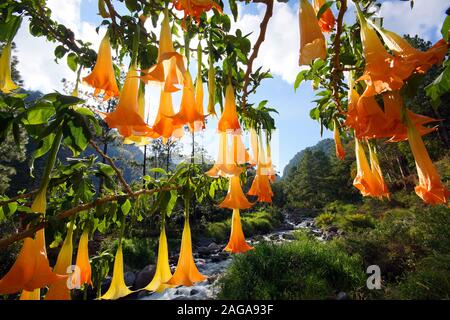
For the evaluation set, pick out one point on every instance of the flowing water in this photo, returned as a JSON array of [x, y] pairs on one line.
[[216, 264]]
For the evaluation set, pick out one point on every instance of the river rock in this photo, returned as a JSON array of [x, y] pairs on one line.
[[204, 242], [129, 278], [194, 292], [288, 236], [144, 277], [210, 249], [342, 296]]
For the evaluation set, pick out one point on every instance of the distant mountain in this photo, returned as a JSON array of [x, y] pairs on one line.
[[326, 145]]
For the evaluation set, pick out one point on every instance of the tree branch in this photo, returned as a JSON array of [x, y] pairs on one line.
[[73, 211], [336, 72], [259, 41], [113, 165]]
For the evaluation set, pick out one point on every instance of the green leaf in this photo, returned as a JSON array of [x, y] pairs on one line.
[[132, 5], [39, 113], [172, 201], [60, 51], [106, 169], [44, 146], [300, 77], [446, 28], [234, 9], [72, 61], [125, 207]]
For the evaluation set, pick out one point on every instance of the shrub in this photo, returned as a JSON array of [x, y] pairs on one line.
[[137, 252], [355, 221], [302, 269], [431, 280], [325, 220]]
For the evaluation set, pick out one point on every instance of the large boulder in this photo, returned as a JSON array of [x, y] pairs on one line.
[[144, 277]]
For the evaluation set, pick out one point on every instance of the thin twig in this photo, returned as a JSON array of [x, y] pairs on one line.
[[18, 197], [336, 72], [71, 212], [113, 165], [259, 41]]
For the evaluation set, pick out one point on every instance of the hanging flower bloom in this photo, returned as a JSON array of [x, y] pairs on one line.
[[164, 123], [199, 90], [30, 295], [186, 273], [312, 41], [235, 198], [340, 152], [396, 129], [254, 147], [118, 288], [195, 8], [162, 273], [430, 187], [421, 61], [365, 180], [102, 77], [189, 113], [382, 72], [126, 117], [261, 188], [6, 83], [229, 119], [240, 153], [170, 67], [31, 269], [326, 21], [139, 140], [59, 290], [376, 171], [237, 243], [82, 261], [225, 165]]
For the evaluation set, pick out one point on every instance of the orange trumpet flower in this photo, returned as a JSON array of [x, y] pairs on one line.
[[162, 273], [6, 83], [60, 290], [126, 117], [82, 261], [225, 165], [376, 171], [326, 21], [186, 273], [195, 8], [118, 288], [164, 123], [170, 68], [189, 113], [102, 77], [366, 181], [312, 41], [237, 243], [31, 269], [254, 147], [397, 130], [340, 152], [31, 295], [235, 198], [139, 140], [430, 187], [240, 153], [261, 188], [229, 119], [420, 60]]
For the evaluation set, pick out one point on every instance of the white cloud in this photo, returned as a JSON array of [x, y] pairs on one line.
[[36, 59], [425, 19], [279, 52]]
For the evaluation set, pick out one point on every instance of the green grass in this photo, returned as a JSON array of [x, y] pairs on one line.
[[302, 269]]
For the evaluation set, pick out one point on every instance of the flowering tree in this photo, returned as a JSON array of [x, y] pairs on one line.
[[358, 70]]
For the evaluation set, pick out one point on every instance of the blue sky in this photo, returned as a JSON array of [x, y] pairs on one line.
[[279, 53]]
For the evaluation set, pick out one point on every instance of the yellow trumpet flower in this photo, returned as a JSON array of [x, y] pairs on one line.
[[118, 288], [6, 83], [60, 290], [312, 40], [186, 273], [162, 273]]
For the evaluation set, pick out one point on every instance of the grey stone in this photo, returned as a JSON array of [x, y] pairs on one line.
[[129, 278], [144, 277], [342, 296]]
